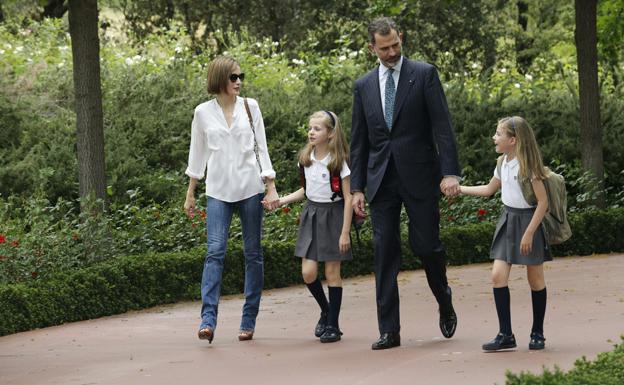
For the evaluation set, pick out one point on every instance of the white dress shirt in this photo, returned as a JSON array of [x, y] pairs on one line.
[[383, 75], [317, 175], [225, 155], [511, 193]]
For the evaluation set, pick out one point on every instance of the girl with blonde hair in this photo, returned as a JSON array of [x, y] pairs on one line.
[[326, 217], [519, 237]]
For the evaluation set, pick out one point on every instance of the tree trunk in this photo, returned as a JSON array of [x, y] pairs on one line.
[[54, 8], [83, 28], [524, 59], [585, 36], [169, 11]]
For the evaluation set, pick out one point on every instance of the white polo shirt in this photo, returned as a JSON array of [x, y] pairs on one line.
[[317, 175], [511, 192]]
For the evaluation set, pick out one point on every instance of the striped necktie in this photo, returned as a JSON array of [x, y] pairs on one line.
[[389, 98]]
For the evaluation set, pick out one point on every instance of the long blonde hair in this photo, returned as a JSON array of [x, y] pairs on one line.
[[337, 144], [527, 150]]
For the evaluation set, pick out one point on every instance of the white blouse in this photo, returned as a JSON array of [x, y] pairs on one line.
[[511, 193], [318, 188], [225, 155]]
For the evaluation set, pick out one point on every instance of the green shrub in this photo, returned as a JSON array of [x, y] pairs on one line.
[[38, 239], [140, 281], [150, 90], [606, 369]]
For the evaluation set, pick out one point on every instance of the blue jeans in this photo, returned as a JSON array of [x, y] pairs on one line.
[[218, 219]]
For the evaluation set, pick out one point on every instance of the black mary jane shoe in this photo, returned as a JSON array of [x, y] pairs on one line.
[[538, 342], [501, 341], [332, 334], [321, 325]]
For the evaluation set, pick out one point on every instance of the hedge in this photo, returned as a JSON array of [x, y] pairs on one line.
[[140, 281], [607, 369]]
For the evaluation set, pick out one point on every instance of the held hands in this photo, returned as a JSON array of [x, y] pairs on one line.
[[358, 202], [271, 200], [450, 186], [270, 203]]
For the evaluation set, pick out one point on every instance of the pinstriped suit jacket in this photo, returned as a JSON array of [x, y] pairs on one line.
[[421, 142]]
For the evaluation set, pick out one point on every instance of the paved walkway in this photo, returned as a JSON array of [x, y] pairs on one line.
[[585, 316]]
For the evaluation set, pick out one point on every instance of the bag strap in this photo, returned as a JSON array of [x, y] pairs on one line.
[[254, 133], [302, 178], [499, 166]]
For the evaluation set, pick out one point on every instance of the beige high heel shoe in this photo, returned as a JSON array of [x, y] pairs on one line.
[[206, 334], [245, 335]]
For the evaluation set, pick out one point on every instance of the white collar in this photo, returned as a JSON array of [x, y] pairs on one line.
[[324, 161], [512, 163], [397, 67], [217, 106]]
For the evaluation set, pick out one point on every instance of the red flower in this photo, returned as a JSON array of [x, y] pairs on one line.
[[481, 212], [74, 236], [2, 238], [202, 214], [285, 210], [451, 218], [194, 225], [34, 275], [15, 243]]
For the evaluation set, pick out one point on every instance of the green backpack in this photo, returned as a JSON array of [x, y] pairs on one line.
[[555, 220]]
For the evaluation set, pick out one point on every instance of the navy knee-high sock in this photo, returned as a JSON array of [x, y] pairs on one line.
[[539, 310], [503, 309], [316, 288], [335, 301]]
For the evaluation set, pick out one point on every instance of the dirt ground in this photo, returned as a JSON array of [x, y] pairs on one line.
[[585, 316]]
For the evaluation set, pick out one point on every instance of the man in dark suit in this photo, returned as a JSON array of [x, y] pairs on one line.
[[403, 152]]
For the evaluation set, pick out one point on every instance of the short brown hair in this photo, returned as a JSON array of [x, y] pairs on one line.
[[219, 72], [381, 25]]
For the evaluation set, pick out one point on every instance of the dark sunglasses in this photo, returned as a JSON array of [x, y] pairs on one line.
[[234, 77]]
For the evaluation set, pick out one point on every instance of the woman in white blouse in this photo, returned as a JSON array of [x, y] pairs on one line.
[[223, 150]]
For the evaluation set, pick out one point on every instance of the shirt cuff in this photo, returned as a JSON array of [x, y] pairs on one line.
[[268, 174], [193, 175], [455, 176]]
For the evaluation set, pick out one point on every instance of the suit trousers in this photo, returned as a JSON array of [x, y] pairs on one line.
[[424, 219]]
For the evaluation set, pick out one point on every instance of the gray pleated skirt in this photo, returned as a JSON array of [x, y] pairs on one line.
[[320, 226], [508, 235]]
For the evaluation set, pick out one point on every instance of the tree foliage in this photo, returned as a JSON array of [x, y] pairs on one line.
[[611, 37]]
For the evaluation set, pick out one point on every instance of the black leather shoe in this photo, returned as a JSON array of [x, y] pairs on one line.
[[501, 341], [387, 341], [332, 334], [538, 342], [448, 318], [321, 325]]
